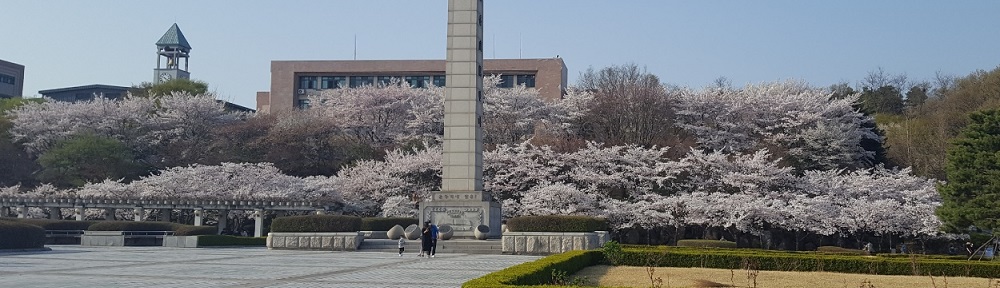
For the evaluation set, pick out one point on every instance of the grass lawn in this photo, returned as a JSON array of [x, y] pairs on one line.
[[626, 276]]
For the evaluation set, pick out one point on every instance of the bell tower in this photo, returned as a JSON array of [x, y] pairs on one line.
[[172, 48]]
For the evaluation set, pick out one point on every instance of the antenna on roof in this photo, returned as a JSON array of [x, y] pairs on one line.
[[518, 45], [355, 46], [494, 45]]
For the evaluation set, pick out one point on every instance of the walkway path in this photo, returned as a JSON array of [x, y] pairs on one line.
[[77, 266]]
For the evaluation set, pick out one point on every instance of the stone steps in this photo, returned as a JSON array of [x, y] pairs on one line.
[[492, 246]]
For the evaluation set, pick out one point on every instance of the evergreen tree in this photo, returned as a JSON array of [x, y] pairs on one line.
[[972, 194]]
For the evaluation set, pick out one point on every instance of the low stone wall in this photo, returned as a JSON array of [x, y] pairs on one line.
[[180, 241], [552, 242], [375, 234], [330, 241], [123, 238]]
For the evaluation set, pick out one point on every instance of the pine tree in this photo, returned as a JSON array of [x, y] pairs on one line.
[[972, 194]]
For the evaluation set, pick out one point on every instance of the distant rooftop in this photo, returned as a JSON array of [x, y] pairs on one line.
[[173, 37], [95, 86]]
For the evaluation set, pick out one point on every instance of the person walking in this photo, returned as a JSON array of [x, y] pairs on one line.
[[402, 243], [434, 238]]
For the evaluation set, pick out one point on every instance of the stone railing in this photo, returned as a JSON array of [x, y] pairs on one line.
[[329, 241], [552, 242]]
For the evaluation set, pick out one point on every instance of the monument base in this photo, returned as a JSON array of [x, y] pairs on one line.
[[463, 216]]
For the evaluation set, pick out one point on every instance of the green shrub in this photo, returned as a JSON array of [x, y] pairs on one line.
[[807, 261], [706, 243], [16, 235], [386, 223], [54, 224], [191, 230], [316, 223], [840, 250], [557, 223], [227, 240], [538, 272], [131, 226]]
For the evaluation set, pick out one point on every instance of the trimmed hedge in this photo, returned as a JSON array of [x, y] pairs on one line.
[[16, 235], [227, 240], [316, 223], [840, 250], [191, 230], [538, 272], [805, 261], [131, 226], [386, 223], [556, 223], [54, 224], [706, 243]]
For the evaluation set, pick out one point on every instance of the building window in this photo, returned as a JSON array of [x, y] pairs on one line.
[[438, 80], [7, 79], [526, 80], [417, 81], [303, 104], [506, 81], [332, 82], [385, 80], [358, 81], [307, 82]]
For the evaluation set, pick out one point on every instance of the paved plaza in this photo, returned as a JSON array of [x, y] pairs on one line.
[[76, 266]]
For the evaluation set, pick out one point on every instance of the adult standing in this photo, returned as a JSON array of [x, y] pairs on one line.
[[434, 238], [425, 239]]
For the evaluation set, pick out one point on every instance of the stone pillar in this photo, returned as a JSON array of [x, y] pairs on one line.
[[55, 213], [139, 211], [258, 223], [461, 202], [22, 211], [223, 219], [109, 214], [165, 214], [78, 212], [198, 213]]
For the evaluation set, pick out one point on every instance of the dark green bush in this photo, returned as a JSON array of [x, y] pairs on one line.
[[16, 235], [191, 230], [386, 223], [806, 261], [557, 223], [131, 226], [538, 272], [316, 223], [227, 240], [706, 243], [54, 224], [840, 250]]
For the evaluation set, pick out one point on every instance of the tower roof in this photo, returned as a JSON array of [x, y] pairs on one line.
[[173, 37]]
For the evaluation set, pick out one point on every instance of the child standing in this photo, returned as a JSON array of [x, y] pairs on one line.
[[402, 242]]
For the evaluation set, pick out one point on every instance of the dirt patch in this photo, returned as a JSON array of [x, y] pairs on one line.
[[624, 276]]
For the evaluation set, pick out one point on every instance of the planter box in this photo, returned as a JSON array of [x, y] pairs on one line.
[[552, 242], [325, 241], [123, 238], [180, 241]]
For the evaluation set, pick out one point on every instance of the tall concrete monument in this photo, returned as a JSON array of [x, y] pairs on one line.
[[461, 203]]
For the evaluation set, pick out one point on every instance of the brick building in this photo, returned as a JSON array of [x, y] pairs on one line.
[[293, 81]]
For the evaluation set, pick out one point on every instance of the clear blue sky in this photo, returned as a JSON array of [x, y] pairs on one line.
[[688, 43]]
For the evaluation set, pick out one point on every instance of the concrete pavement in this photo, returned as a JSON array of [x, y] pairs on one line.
[[240, 267]]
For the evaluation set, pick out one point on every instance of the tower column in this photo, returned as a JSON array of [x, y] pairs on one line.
[[461, 203]]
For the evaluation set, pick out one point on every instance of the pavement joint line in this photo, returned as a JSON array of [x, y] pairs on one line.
[[304, 278]]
